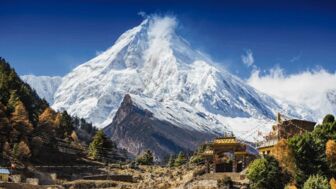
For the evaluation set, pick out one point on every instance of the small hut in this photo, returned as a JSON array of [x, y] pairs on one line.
[[4, 175]]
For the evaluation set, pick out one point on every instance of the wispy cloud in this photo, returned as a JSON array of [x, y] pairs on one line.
[[309, 88], [142, 14], [247, 58], [295, 58]]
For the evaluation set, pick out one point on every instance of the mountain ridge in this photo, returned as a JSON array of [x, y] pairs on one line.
[[169, 78]]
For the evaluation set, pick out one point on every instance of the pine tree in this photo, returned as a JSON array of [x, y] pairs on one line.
[[21, 151], [13, 100], [180, 160], [63, 124], [171, 161], [100, 146]]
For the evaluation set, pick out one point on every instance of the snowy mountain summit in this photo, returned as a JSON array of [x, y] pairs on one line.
[[166, 76]]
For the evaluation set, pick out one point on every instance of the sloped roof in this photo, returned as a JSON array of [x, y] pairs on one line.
[[4, 171]]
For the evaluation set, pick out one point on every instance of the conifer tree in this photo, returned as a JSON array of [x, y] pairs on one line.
[[12, 102], [20, 118], [180, 160], [100, 146], [171, 161], [66, 124], [21, 151]]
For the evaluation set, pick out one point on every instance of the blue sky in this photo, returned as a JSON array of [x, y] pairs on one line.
[[52, 37]]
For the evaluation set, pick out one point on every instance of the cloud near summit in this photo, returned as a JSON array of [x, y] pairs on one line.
[[247, 58], [309, 88]]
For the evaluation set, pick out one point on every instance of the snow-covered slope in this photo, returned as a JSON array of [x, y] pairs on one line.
[[45, 86], [165, 75]]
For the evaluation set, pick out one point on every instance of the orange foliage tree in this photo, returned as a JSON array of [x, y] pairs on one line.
[[21, 151], [48, 116], [20, 118], [331, 153], [332, 183], [284, 154]]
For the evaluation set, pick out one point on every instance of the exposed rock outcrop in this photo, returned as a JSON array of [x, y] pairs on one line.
[[137, 129]]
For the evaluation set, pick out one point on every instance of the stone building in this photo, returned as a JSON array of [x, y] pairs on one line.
[[284, 129]]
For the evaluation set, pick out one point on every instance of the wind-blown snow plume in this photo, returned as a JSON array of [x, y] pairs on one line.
[[166, 76], [315, 89]]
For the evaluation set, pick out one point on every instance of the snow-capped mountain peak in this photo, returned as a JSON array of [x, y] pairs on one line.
[[152, 62]]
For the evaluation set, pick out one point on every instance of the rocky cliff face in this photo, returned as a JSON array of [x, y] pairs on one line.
[[137, 130]]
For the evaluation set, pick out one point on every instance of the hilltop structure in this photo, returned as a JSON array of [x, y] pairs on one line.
[[284, 129]]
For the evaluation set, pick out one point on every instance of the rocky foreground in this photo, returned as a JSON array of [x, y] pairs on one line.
[[144, 177]]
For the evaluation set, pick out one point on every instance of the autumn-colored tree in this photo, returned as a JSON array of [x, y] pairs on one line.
[[4, 122], [13, 100], [20, 118], [332, 183], [74, 136], [21, 151], [331, 153], [285, 156], [290, 186], [48, 117], [57, 121], [6, 149]]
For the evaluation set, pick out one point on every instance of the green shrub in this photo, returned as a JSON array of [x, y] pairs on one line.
[[266, 172], [316, 182], [328, 119], [196, 159], [225, 182], [146, 158]]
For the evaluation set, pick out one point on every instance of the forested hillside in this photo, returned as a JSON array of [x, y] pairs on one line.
[[28, 126]]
